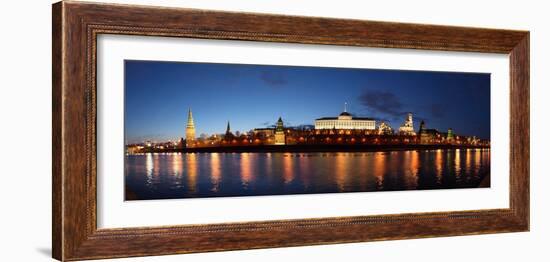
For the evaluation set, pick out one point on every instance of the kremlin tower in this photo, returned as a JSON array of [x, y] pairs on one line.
[[190, 130], [280, 133]]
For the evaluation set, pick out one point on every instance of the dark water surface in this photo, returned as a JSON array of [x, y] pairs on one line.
[[177, 175]]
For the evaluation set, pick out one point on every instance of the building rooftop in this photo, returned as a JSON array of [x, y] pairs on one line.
[[429, 131], [336, 118]]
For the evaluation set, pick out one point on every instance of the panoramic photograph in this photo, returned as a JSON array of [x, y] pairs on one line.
[[197, 130]]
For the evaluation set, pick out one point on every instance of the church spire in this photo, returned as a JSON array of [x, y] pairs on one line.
[[228, 130]]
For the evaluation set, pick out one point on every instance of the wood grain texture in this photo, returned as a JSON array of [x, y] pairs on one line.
[[57, 195], [519, 129], [76, 26]]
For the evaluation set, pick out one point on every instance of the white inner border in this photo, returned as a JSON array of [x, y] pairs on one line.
[[114, 212]]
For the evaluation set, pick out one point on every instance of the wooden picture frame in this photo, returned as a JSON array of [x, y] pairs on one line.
[[76, 26]]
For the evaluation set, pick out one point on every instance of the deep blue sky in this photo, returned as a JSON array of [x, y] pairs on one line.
[[158, 95]]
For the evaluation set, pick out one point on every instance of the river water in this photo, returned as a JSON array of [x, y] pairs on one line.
[[191, 175]]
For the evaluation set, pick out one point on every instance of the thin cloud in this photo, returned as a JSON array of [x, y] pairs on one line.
[[384, 102], [274, 79]]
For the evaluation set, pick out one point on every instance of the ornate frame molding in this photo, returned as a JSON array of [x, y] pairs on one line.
[[76, 26]]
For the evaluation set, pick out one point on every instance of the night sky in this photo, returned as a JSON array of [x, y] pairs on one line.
[[158, 95]]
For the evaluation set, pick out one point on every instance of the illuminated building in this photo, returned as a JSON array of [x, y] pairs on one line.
[[279, 133], [133, 149], [450, 135], [384, 129], [407, 128], [428, 136], [190, 130], [342, 130], [264, 132], [345, 121]]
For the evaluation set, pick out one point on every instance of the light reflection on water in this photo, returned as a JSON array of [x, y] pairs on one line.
[[215, 177], [177, 175], [439, 165]]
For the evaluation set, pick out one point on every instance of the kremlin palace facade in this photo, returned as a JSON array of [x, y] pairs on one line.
[[345, 121]]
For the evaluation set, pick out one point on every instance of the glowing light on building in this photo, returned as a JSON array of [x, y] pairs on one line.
[[345, 121], [280, 133], [407, 128], [190, 129]]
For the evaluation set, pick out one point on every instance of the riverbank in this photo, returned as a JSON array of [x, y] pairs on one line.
[[311, 148]]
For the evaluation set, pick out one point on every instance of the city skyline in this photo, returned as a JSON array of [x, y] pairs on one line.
[[159, 95]]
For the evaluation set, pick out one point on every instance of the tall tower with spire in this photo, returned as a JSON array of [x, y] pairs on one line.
[[280, 133], [190, 130], [228, 129], [407, 128], [228, 134]]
